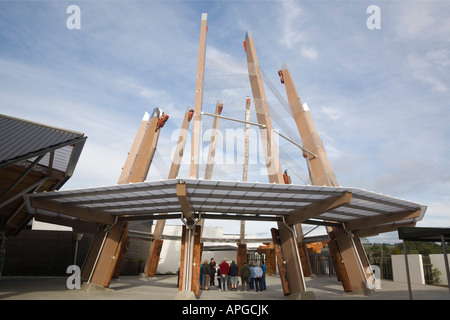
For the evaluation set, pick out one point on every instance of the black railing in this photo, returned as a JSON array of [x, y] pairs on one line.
[[321, 264]]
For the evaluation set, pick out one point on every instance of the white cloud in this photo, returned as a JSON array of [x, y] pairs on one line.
[[429, 67], [309, 52], [291, 15]]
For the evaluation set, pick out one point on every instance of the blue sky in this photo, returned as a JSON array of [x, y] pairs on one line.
[[379, 98]]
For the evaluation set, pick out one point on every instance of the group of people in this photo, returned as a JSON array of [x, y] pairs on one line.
[[253, 277]]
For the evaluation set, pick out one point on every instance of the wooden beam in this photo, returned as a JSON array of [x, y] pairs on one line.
[[262, 113], [196, 131], [376, 230], [280, 261], [315, 209], [108, 256], [156, 247], [241, 256], [196, 260], [183, 197], [146, 152], [287, 240], [245, 171], [134, 151], [321, 172], [154, 252], [213, 143], [73, 211], [179, 149], [380, 219], [80, 225]]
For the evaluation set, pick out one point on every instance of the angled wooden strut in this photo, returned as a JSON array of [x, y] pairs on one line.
[[242, 247], [213, 143], [291, 258], [212, 149], [197, 120], [348, 256], [191, 245], [154, 252], [107, 252]]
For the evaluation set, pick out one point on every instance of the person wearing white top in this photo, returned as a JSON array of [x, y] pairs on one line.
[[258, 278]]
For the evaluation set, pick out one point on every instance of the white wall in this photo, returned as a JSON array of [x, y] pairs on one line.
[[219, 255], [437, 260], [170, 253], [415, 268], [39, 225], [171, 250]]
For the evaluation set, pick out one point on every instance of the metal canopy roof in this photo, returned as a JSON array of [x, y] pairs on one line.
[[228, 200], [25, 140], [33, 158], [424, 234]]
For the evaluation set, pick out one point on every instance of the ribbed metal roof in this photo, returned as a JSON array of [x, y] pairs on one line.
[[24, 140], [228, 199]]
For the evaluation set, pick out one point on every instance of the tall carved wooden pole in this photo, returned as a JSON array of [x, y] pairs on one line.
[[190, 242], [106, 255], [349, 261], [154, 252], [290, 261]]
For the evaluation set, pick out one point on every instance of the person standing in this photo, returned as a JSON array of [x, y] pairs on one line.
[[245, 277], [258, 278], [212, 271], [206, 274], [224, 270], [219, 278], [252, 277], [264, 270], [234, 272]]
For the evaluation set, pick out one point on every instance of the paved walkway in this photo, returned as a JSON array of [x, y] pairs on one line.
[[164, 288]]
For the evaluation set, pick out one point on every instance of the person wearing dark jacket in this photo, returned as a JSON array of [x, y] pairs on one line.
[[212, 271], [234, 272], [206, 274], [245, 276]]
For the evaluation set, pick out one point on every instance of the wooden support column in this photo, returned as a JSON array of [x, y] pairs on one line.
[[134, 152], [241, 256], [213, 143], [245, 171], [280, 261], [197, 125], [104, 260], [303, 250], [104, 254], [294, 273], [151, 264], [191, 245], [120, 261], [321, 173], [212, 147], [262, 113], [268, 249], [190, 255], [198, 246]]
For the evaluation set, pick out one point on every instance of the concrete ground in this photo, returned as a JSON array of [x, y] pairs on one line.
[[164, 288]]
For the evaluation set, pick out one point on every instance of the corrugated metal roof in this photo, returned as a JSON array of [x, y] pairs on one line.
[[142, 200], [24, 140]]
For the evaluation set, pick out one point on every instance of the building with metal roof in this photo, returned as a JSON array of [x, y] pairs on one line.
[[34, 158]]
